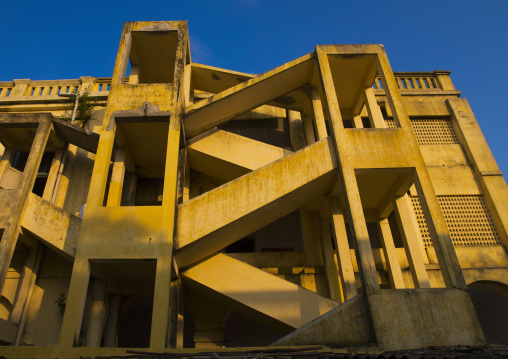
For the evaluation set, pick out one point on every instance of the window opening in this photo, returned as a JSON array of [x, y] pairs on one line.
[[366, 122], [152, 55], [347, 123]]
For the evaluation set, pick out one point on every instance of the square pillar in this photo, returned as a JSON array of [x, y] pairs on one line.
[[438, 230], [117, 177], [318, 114], [375, 115], [392, 261], [100, 170], [329, 263], [111, 333], [54, 171], [410, 240], [98, 309], [347, 272], [296, 133], [73, 316], [357, 121], [309, 130]]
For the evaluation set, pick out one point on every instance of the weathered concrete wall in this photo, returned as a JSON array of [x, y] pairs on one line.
[[420, 317], [346, 325]]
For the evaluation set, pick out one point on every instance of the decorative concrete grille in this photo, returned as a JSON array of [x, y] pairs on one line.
[[467, 218], [390, 123], [431, 131]]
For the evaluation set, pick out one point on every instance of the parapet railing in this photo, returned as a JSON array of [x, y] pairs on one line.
[[35, 89], [420, 81], [406, 81]]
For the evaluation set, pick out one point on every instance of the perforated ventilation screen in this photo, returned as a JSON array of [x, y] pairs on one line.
[[431, 131], [467, 218]]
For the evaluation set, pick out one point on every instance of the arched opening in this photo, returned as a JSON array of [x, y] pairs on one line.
[[490, 300]]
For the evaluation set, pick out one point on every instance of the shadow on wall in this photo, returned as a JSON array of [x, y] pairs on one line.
[[490, 300]]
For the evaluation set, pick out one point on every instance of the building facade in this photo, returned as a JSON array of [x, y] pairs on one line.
[[328, 201]]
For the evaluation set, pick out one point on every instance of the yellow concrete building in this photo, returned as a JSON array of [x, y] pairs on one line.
[[329, 201]]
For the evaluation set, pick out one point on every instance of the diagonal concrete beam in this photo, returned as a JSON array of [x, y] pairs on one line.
[[255, 293], [224, 155], [212, 221], [213, 79], [228, 104], [56, 228]]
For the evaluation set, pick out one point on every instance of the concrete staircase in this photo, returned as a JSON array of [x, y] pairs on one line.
[[208, 223], [255, 293]]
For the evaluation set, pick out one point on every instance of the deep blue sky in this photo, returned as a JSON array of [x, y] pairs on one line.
[[68, 39]]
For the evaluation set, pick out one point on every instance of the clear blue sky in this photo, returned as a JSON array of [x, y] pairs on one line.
[[44, 40]]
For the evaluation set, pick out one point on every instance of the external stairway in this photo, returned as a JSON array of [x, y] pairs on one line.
[[208, 223]]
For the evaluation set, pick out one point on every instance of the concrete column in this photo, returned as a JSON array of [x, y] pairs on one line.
[[187, 83], [111, 333], [360, 233], [357, 121], [416, 226], [438, 230], [24, 284], [330, 268], [375, 115], [134, 75], [52, 180], [357, 223], [129, 189], [393, 98], [296, 132], [25, 290], [410, 240], [71, 325], [180, 320], [309, 130], [10, 235], [31, 277], [6, 160], [392, 261], [97, 311], [161, 304], [318, 114], [160, 317], [174, 313], [117, 177], [65, 172], [186, 181], [100, 170], [311, 244], [347, 272]]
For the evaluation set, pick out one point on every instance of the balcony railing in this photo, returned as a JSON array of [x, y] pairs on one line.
[[37, 89], [420, 81], [13, 90]]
